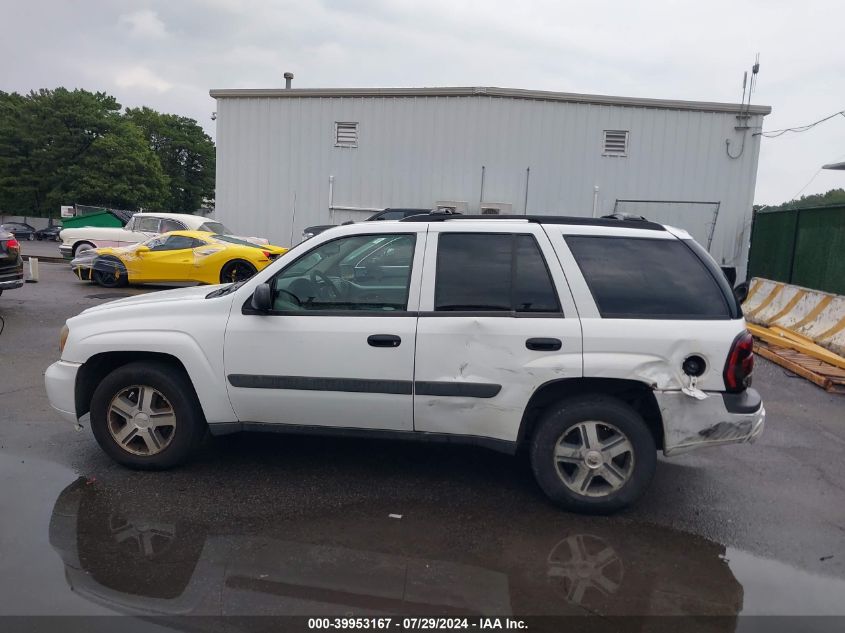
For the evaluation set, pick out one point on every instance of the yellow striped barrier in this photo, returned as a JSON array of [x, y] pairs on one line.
[[818, 317]]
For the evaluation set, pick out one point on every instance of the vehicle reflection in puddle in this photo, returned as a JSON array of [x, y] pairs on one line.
[[134, 554]]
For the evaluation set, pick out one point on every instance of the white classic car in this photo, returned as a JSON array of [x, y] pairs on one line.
[[141, 227]]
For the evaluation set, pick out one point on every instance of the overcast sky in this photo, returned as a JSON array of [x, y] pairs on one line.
[[168, 54]]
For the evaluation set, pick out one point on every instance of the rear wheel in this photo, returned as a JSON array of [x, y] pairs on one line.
[[31, 237], [109, 272], [236, 270], [146, 416], [593, 454]]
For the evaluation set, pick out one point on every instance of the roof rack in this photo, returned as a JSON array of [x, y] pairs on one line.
[[609, 221]]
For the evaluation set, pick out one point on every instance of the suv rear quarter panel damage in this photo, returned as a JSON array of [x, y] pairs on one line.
[[689, 423]]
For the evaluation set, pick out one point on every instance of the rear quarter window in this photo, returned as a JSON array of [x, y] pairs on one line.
[[645, 278]]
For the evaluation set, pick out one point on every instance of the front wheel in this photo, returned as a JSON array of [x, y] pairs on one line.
[[110, 273], [236, 270], [593, 454], [31, 237], [146, 416]]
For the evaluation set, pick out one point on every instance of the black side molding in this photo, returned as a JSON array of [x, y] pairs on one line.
[[464, 389], [362, 385], [308, 383], [748, 401]]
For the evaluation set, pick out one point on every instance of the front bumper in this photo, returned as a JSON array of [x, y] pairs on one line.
[[720, 418], [60, 381], [66, 250]]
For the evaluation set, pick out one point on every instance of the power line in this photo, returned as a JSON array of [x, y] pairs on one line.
[[800, 128]]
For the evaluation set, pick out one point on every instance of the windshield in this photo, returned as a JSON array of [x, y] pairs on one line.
[[214, 226]]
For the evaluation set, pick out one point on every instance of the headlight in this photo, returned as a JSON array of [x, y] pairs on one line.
[[63, 337]]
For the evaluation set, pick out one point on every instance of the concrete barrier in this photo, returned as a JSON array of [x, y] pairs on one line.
[[817, 315]]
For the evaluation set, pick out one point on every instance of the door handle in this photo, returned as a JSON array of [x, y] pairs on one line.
[[384, 340], [543, 344]]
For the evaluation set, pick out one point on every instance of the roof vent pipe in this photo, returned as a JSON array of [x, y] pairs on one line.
[[288, 79]]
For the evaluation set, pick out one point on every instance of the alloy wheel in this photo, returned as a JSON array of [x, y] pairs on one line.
[[594, 459], [141, 420]]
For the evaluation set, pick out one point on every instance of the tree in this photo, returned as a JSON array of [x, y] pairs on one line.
[[119, 170], [186, 154], [832, 197], [62, 147]]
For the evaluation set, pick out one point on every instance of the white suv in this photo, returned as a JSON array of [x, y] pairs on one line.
[[589, 342]]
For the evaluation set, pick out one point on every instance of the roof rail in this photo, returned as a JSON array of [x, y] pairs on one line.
[[609, 221]]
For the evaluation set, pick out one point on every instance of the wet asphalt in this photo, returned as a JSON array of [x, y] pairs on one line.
[[272, 524]]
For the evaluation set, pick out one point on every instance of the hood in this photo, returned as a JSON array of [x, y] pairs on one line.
[[193, 293]]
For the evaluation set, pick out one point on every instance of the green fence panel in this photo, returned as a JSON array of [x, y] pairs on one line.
[[805, 247], [772, 241], [820, 250]]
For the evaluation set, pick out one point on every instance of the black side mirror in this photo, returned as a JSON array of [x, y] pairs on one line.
[[741, 292], [262, 298]]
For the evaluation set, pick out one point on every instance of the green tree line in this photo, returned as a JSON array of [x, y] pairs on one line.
[[61, 147], [829, 198]]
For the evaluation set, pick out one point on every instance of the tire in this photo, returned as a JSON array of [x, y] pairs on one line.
[[598, 480], [110, 273], [173, 396], [38, 237], [31, 237], [236, 270], [79, 247]]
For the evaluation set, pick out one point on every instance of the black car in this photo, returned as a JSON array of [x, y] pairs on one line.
[[20, 230], [11, 264], [386, 214], [49, 233]]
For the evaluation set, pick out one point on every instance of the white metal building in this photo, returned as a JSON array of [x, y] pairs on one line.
[[290, 158]]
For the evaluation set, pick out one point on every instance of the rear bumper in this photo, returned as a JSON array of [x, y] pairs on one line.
[[66, 250], [721, 418], [60, 381], [11, 276]]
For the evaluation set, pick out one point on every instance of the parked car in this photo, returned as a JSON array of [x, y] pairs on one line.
[[141, 227], [386, 214], [11, 264], [21, 230], [589, 343], [174, 257], [49, 233]]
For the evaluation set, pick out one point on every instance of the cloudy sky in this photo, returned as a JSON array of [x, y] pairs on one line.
[[168, 54]]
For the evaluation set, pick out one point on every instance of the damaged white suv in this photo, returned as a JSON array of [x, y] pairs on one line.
[[590, 343]]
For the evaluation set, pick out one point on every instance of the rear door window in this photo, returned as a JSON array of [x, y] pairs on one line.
[[644, 278], [492, 272]]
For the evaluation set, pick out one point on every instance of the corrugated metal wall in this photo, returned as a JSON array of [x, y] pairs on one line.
[[275, 157], [801, 246]]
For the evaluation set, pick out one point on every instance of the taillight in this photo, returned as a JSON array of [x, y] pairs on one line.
[[740, 363], [13, 244]]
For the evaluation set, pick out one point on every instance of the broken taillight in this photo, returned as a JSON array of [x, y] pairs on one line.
[[740, 363]]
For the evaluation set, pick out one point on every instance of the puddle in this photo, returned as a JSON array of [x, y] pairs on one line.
[[128, 543]]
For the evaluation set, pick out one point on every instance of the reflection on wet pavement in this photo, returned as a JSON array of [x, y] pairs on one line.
[[130, 546]]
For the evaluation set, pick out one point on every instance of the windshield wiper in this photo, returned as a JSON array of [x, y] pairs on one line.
[[225, 290]]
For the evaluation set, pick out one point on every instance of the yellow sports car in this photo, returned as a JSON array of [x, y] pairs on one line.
[[198, 256]]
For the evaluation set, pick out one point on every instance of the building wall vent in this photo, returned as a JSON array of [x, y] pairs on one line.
[[615, 143], [345, 134]]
